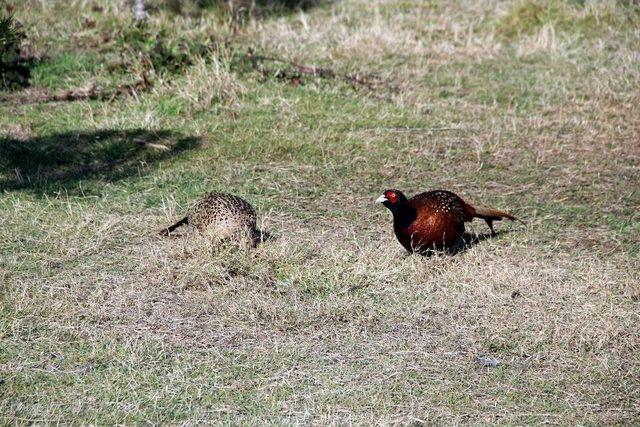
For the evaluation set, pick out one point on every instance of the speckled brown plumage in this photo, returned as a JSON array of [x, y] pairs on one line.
[[221, 215], [435, 219]]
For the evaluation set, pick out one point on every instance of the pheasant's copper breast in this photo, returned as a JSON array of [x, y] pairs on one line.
[[438, 221]]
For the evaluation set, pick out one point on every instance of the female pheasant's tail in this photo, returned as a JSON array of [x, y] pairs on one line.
[[490, 215], [168, 230]]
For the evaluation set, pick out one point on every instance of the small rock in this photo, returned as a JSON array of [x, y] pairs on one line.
[[487, 361]]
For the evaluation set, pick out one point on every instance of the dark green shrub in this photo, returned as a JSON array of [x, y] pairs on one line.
[[237, 9], [14, 70], [157, 49]]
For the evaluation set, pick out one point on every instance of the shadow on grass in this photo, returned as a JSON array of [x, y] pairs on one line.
[[469, 240], [62, 159], [466, 242]]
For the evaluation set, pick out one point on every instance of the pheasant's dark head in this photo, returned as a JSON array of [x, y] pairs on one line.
[[393, 199]]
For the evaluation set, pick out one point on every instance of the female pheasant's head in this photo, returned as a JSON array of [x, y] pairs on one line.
[[392, 199]]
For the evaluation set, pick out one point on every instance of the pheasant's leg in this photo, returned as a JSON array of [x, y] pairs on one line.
[[490, 224]]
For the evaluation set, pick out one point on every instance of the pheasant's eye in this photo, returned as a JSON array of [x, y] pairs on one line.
[[392, 196]]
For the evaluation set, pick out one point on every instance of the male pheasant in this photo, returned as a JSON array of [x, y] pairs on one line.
[[434, 219], [221, 215]]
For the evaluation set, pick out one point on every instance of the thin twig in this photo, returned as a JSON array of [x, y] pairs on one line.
[[311, 70], [415, 129]]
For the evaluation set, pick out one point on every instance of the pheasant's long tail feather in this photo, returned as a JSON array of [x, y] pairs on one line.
[[492, 214], [168, 230], [489, 215]]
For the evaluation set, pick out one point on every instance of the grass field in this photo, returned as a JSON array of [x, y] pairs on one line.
[[526, 106]]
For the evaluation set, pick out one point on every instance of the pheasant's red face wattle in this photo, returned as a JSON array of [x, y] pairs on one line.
[[391, 196]]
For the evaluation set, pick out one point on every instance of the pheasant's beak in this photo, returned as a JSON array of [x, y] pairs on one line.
[[382, 199]]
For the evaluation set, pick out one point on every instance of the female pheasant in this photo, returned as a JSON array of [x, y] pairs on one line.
[[222, 215], [434, 219]]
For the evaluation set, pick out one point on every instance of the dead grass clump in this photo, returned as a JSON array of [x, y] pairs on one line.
[[209, 82]]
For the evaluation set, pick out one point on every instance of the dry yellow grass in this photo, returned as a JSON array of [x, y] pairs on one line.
[[527, 109]]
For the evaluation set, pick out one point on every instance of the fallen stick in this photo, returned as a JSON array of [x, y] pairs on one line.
[[79, 94], [311, 70]]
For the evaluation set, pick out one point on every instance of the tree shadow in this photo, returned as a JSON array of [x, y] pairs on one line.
[[62, 159]]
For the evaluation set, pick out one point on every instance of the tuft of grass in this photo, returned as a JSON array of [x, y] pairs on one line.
[[587, 19], [209, 83], [527, 17]]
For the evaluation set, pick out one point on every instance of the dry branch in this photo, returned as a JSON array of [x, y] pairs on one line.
[[293, 71], [91, 92]]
